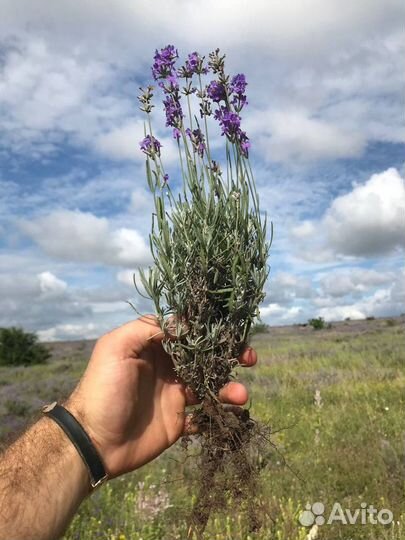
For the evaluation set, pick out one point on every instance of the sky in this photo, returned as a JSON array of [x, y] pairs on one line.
[[326, 122]]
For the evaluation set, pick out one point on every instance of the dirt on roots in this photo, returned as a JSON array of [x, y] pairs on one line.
[[229, 440]]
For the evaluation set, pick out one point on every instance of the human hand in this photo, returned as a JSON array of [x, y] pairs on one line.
[[129, 400]]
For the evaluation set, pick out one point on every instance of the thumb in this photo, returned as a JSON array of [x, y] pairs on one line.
[[132, 338]]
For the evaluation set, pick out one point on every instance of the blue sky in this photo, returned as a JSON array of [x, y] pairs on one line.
[[326, 121]]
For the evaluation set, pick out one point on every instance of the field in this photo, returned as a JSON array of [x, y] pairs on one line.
[[335, 402]]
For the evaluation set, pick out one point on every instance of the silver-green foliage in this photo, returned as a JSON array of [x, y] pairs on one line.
[[209, 248]]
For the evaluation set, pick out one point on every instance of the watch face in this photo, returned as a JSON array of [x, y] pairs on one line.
[[49, 407]]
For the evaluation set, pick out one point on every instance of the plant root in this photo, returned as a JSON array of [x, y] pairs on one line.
[[228, 474]]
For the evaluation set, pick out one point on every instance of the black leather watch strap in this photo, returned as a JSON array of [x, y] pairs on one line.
[[76, 433]]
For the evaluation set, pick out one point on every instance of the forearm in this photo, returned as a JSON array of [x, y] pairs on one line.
[[43, 480]]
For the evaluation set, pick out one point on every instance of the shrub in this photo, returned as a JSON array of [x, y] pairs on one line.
[[16, 408], [318, 323], [21, 348], [210, 251], [259, 328]]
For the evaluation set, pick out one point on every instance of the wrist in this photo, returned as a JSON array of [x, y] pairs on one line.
[[76, 407], [42, 465], [68, 459], [73, 421]]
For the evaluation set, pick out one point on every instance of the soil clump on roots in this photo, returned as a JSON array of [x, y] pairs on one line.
[[228, 473]]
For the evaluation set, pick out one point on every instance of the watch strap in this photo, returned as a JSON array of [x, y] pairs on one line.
[[78, 436]]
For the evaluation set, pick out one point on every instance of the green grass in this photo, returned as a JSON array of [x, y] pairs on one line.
[[335, 400]]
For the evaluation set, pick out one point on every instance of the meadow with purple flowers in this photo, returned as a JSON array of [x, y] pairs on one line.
[[334, 399]]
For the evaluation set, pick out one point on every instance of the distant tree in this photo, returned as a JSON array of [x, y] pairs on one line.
[[21, 348], [318, 323], [259, 328]]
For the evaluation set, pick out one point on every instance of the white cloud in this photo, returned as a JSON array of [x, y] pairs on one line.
[[130, 247], [62, 308], [109, 307], [278, 314], [122, 142], [36, 301], [71, 75], [338, 313], [50, 285], [398, 291], [50, 97], [291, 28], [69, 331], [375, 301], [353, 281], [323, 83], [370, 220], [43, 94], [293, 135], [141, 202], [285, 288], [305, 229], [377, 305], [83, 237], [129, 279], [43, 287], [78, 188]]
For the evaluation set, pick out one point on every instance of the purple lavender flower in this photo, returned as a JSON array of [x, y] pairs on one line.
[[173, 110], [230, 97], [193, 64], [150, 146], [216, 91], [197, 140], [163, 65], [237, 88], [238, 84], [230, 126], [229, 122], [244, 144], [170, 84], [193, 61], [165, 178]]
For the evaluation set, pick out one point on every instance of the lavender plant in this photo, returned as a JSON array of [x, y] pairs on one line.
[[208, 243]]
